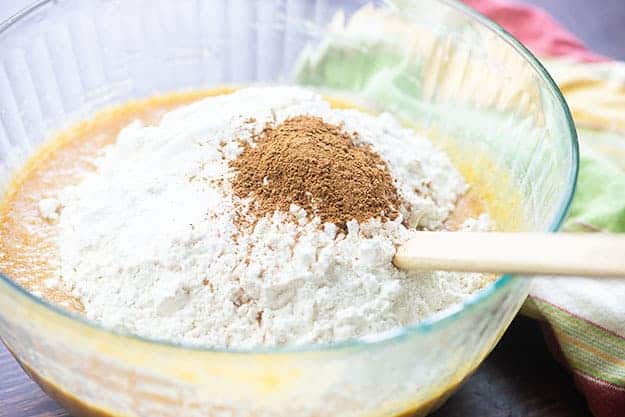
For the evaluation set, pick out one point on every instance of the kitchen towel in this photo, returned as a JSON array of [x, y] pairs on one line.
[[583, 319]]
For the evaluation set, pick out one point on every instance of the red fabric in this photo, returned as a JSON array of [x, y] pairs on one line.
[[536, 29], [604, 399]]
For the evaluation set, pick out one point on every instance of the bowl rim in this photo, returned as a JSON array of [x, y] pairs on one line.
[[427, 325]]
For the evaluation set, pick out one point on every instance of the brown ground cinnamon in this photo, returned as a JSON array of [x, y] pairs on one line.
[[317, 166]]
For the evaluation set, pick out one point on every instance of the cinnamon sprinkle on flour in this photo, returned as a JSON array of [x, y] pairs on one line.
[[317, 166], [151, 242]]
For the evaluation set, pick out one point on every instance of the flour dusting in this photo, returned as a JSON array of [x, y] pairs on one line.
[[152, 242]]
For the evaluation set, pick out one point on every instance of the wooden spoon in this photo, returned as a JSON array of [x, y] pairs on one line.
[[590, 254]]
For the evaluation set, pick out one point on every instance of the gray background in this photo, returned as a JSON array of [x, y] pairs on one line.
[[600, 24]]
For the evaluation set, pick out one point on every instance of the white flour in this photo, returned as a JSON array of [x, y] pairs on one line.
[[146, 241]]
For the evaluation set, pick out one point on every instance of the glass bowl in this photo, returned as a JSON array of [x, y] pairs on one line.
[[442, 68]]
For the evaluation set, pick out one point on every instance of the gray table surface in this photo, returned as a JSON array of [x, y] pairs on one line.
[[600, 24], [519, 378]]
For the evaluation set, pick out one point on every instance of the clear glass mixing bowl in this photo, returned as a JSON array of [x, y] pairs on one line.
[[442, 68]]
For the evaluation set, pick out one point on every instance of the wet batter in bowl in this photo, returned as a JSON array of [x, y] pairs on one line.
[[264, 217]]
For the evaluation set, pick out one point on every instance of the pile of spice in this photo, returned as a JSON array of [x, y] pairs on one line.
[[258, 218], [318, 167]]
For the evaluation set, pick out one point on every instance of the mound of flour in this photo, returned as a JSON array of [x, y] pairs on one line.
[[149, 242]]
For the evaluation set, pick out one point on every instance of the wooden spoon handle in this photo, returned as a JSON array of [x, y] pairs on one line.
[[591, 254]]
